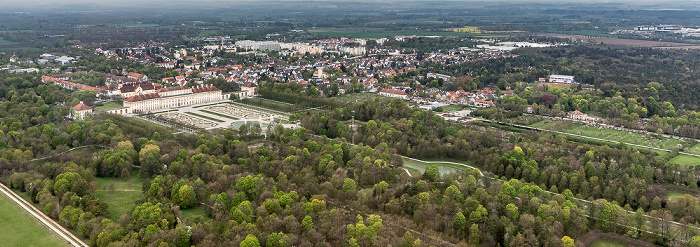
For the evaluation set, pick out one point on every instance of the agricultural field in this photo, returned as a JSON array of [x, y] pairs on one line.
[[21, 229], [109, 105], [683, 159], [121, 200], [477, 30], [374, 33]]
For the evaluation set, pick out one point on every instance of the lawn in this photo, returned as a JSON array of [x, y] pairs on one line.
[[7, 42], [672, 194], [605, 243], [695, 149], [354, 97], [608, 134], [191, 213], [449, 108], [269, 104], [18, 228], [109, 105], [83, 150], [126, 192], [444, 167], [683, 159], [205, 117]]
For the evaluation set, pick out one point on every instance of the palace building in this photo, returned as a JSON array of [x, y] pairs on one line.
[[171, 97]]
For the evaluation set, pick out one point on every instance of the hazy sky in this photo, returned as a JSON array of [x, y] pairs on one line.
[[38, 4]]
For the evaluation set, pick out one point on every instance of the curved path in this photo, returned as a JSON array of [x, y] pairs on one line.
[[34, 212]]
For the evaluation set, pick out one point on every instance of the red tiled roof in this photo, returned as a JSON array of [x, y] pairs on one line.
[[142, 97], [170, 89], [204, 89], [81, 107]]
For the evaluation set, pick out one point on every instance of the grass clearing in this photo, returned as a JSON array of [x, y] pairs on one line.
[[7, 42], [126, 192], [357, 97], [191, 213], [608, 134], [694, 149], [445, 168], [21, 229], [109, 105], [683, 159], [205, 117], [449, 108], [672, 194], [273, 105], [605, 243]]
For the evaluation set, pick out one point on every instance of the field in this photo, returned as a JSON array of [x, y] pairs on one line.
[[685, 160], [608, 134], [672, 194], [269, 104], [18, 228], [605, 243], [357, 97], [109, 105], [191, 213], [125, 194], [6, 42], [478, 30], [449, 108], [374, 33], [445, 168], [694, 149]]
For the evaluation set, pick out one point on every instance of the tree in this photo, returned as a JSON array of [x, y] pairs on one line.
[[566, 241], [307, 223], [187, 196], [474, 235], [348, 185], [460, 221], [250, 241]]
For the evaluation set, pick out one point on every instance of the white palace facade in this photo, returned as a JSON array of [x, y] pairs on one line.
[[171, 97]]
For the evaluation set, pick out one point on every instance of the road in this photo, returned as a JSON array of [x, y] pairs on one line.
[[34, 212]]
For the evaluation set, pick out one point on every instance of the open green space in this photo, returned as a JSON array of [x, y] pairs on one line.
[[109, 105], [7, 42], [683, 159], [608, 134], [126, 191], [83, 150], [218, 114], [605, 243], [269, 104], [192, 213], [205, 117], [672, 194], [357, 97], [694, 149], [449, 108], [445, 168], [374, 33], [18, 228]]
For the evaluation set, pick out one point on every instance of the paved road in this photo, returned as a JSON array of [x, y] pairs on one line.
[[58, 229]]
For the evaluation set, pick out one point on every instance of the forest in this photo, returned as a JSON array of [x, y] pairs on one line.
[[299, 188]]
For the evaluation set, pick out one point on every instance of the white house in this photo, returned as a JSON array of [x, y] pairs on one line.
[[568, 79]]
